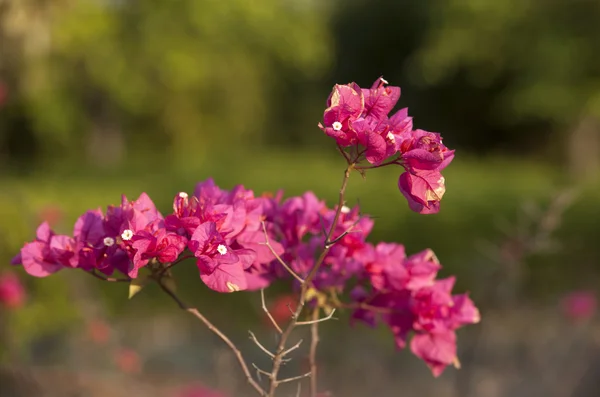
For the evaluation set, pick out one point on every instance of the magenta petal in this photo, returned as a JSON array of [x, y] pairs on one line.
[[376, 148], [246, 257], [35, 262], [437, 350], [464, 310], [17, 260], [43, 232], [226, 278]]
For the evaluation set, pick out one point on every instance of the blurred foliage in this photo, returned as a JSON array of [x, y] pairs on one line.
[[542, 56], [191, 75]]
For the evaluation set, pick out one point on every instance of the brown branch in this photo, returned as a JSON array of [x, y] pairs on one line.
[[194, 312], [314, 332], [266, 310], [317, 320], [305, 285], [104, 278], [281, 261], [306, 375]]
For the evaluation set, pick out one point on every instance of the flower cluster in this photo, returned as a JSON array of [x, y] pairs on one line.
[[227, 233], [358, 119], [241, 241]]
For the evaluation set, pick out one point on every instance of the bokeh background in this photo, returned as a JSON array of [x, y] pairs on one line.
[[104, 97]]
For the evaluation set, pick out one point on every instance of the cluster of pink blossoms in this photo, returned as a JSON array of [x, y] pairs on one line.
[[226, 232], [245, 242], [357, 118]]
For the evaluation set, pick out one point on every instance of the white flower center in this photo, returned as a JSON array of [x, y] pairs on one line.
[[336, 126], [232, 287], [391, 137], [183, 195], [345, 210], [109, 241], [127, 235], [222, 249]]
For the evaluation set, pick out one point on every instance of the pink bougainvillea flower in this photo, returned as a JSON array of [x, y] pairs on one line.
[[160, 244], [423, 150], [438, 350], [345, 104], [423, 190], [380, 99], [579, 305], [46, 255], [221, 267], [12, 292]]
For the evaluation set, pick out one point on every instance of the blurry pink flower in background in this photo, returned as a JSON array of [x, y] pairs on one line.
[[12, 292], [128, 361], [98, 331], [198, 390], [281, 309], [51, 214], [579, 305]]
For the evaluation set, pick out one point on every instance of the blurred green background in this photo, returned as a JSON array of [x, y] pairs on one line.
[[99, 98]]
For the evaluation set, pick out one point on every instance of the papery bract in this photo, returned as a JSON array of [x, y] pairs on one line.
[[423, 191]]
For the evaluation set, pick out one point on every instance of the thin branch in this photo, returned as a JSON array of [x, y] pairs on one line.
[[306, 375], [194, 312], [281, 351], [299, 390], [291, 349], [370, 167], [104, 278], [314, 341], [317, 320], [260, 346], [343, 152], [172, 264], [281, 261], [266, 310], [261, 371]]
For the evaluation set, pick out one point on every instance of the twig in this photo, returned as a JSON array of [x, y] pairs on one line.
[[261, 371], [291, 349], [317, 320], [194, 312], [261, 347], [171, 265], [279, 353], [281, 261], [110, 279], [314, 332], [266, 310], [306, 375]]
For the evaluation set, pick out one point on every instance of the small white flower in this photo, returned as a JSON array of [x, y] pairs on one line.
[[391, 137], [183, 195], [222, 249], [345, 210], [232, 287], [336, 126], [109, 241], [127, 235]]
